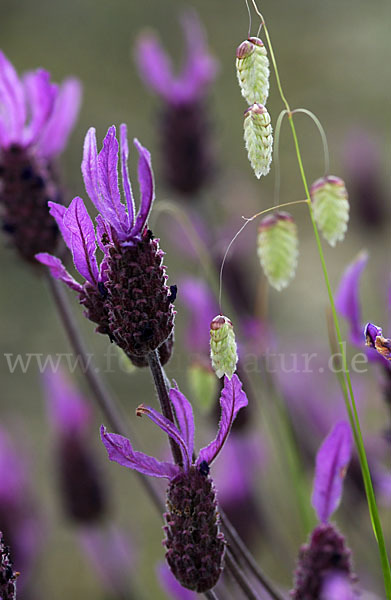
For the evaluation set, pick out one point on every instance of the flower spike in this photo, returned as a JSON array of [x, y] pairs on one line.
[[194, 544]]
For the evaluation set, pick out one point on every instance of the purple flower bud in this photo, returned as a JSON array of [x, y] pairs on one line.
[[28, 179], [7, 573], [371, 332], [374, 339], [326, 554]]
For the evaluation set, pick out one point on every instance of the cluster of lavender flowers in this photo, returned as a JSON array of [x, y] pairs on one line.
[[124, 291]]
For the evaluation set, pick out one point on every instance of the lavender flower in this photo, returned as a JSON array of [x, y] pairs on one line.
[[7, 573], [20, 521], [82, 492], [194, 544], [126, 295], [326, 553], [188, 161], [36, 117]]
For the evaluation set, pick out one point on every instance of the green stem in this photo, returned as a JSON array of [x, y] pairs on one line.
[[346, 383]]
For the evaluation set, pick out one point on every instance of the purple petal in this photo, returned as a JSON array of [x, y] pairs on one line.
[[337, 586], [58, 211], [41, 96], [170, 584], [89, 167], [64, 114], [371, 332], [154, 66], [200, 68], [147, 191], [232, 399], [108, 182], [169, 428], [184, 415], [332, 461], [120, 450], [123, 132], [348, 297], [68, 410], [103, 233], [79, 223], [13, 100], [200, 302], [57, 270], [111, 555]]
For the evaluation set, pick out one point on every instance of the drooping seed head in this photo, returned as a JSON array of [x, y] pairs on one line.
[[278, 248], [331, 207], [258, 136], [194, 543], [252, 68], [223, 348]]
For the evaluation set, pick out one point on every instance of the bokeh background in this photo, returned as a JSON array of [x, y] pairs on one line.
[[333, 60]]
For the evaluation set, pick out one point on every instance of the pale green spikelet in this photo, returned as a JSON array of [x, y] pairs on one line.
[[223, 349], [252, 69], [331, 207], [278, 248], [258, 135]]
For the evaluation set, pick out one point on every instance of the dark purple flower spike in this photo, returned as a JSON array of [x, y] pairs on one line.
[[194, 544], [186, 150], [36, 118], [126, 295], [8, 575], [326, 555]]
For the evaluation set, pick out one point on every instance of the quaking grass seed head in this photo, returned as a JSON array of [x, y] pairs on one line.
[[252, 69], [223, 348], [277, 244], [331, 207], [258, 136]]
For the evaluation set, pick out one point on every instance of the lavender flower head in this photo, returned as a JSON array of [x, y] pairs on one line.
[[126, 295], [82, 493], [194, 544], [186, 149], [326, 555], [36, 118]]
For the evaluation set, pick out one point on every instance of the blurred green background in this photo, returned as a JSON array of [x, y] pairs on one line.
[[333, 59]]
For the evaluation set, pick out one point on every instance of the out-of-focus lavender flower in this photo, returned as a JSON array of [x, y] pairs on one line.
[[111, 555], [202, 306], [194, 544], [362, 159], [347, 302], [170, 585], [188, 159], [236, 475], [126, 295], [20, 520], [36, 118], [82, 492], [8, 575], [326, 555]]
